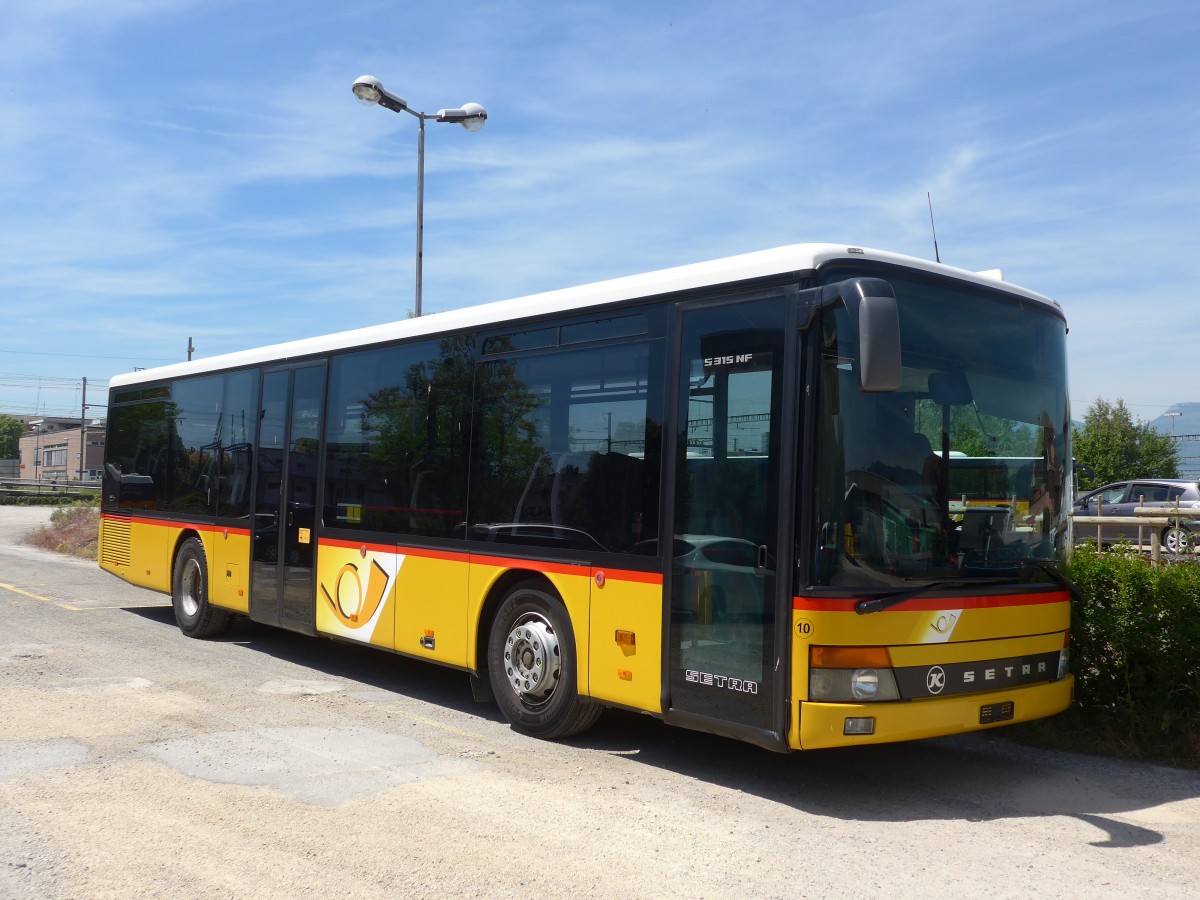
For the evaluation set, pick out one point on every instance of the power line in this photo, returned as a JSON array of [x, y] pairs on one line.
[[33, 381], [87, 356]]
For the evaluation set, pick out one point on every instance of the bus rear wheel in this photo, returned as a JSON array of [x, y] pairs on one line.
[[532, 666], [189, 594]]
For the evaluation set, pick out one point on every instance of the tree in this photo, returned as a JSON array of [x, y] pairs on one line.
[[1117, 448], [10, 436]]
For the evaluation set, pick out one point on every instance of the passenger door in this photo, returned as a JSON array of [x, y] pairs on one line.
[[728, 577], [286, 515]]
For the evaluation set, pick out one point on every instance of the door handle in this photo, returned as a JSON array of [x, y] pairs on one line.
[[760, 562]]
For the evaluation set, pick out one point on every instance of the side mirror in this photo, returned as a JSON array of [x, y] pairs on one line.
[[871, 303]]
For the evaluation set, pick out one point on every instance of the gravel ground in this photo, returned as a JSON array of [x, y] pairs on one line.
[[18, 521]]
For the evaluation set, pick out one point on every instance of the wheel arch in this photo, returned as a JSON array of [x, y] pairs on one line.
[[185, 534], [496, 592]]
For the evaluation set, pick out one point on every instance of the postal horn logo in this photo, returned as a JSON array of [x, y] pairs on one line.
[[352, 602], [935, 680]]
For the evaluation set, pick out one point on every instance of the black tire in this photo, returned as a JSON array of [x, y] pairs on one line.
[[532, 666], [189, 594]]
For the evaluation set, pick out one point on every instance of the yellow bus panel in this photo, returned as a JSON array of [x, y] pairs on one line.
[[431, 606], [626, 639], [228, 552]]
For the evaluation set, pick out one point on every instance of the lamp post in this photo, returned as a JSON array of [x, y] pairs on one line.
[[1172, 416], [36, 425], [370, 91]]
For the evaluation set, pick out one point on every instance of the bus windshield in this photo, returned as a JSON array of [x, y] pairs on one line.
[[962, 472]]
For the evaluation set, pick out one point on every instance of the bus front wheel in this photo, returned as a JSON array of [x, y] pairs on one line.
[[532, 666], [189, 594]]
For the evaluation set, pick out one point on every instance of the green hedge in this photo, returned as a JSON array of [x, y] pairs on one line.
[[1135, 652], [48, 499]]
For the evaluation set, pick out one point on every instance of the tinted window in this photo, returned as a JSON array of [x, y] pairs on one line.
[[194, 413], [188, 453], [1149, 493], [520, 340], [983, 375], [136, 456], [234, 443], [605, 329], [568, 448], [396, 452]]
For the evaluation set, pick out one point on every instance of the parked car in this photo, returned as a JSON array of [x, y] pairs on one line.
[[723, 582], [1122, 497]]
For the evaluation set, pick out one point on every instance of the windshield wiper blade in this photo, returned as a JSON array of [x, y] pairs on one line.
[[887, 601]]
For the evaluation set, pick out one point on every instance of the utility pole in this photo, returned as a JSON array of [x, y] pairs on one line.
[[83, 429]]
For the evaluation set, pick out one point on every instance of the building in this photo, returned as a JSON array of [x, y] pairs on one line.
[[58, 449]]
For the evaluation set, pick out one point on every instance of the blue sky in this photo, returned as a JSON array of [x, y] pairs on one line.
[[199, 168]]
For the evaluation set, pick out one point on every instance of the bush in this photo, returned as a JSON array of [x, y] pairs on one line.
[[1135, 653], [74, 530]]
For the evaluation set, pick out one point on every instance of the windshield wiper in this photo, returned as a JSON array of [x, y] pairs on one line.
[[887, 601]]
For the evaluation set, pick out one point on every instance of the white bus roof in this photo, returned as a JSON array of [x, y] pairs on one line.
[[762, 264]]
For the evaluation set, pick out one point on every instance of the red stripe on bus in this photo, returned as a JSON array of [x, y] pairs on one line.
[[504, 562], [929, 604], [168, 523], [422, 552]]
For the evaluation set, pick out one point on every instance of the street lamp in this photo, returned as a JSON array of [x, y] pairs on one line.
[[36, 425], [370, 91]]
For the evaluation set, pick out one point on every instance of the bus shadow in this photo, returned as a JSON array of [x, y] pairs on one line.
[[968, 778], [371, 667]]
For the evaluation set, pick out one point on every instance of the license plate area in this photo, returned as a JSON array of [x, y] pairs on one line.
[[991, 713]]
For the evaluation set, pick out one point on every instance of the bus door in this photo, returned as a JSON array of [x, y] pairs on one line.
[[728, 578], [285, 505]]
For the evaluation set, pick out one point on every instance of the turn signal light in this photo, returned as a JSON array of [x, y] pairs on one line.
[[850, 658]]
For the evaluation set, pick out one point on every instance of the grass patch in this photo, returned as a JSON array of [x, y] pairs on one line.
[[73, 530]]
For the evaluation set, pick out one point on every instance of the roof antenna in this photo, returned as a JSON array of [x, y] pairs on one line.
[[937, 256]]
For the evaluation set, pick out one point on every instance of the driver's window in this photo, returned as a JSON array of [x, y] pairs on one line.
[[1113, 495]]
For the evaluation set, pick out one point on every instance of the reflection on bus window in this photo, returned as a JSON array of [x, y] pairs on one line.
[[959, 473]]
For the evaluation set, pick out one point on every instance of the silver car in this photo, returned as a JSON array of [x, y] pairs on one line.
[[1122, 497]]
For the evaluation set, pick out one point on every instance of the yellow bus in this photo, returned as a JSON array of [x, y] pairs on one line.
[[698, 493]]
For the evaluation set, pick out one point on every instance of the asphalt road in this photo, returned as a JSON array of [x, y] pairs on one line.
[[135, 762]]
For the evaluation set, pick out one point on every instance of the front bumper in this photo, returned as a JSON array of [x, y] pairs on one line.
[[816, 725]]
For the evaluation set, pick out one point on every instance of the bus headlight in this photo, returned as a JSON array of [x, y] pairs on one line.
[[852, 685]]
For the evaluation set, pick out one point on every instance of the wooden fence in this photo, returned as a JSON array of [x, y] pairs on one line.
[[1153, 518]]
